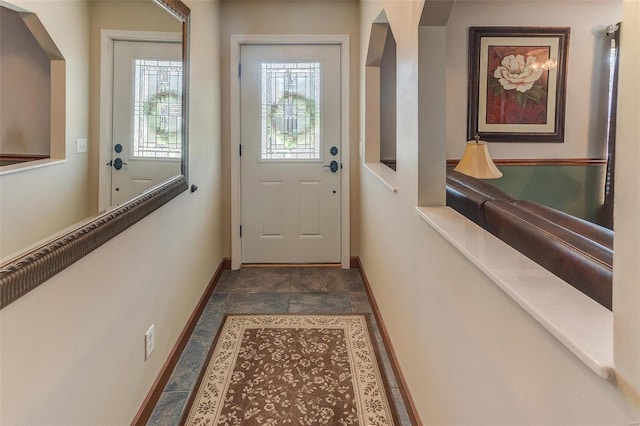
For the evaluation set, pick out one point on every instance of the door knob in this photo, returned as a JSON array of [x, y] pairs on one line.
[[118, 163], [333, 166]]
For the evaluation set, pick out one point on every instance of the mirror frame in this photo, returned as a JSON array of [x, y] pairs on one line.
[[26, 272]]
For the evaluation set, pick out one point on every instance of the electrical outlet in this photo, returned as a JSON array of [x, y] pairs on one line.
[[81, 145], [149, 342]]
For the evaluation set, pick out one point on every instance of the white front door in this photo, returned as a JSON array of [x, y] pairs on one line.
[[147, 116], [290, 153]]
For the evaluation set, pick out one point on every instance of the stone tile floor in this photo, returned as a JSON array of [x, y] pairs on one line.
[[314, 290]]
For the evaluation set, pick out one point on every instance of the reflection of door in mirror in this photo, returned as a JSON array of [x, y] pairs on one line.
[[40, 199], [147, 116], [52, 211]]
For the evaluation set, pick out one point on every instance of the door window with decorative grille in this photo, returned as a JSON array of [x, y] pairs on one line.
[[290, 111], [157, 131]]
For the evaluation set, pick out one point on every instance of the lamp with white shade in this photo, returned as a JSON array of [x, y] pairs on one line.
[[476, 161]]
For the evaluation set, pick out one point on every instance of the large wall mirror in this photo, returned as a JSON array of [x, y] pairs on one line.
[[124, 144]]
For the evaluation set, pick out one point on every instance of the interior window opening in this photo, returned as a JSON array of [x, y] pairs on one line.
[[380, 94], [32, 112], [576, 248], [388, 102]]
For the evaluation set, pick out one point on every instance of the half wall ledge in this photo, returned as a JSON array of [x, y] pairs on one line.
[[384, 174], [582, 325]]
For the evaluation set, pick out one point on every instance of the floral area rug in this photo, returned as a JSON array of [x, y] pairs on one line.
[[291, 370]]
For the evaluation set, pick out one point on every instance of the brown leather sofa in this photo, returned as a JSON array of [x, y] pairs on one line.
[[578, 251]]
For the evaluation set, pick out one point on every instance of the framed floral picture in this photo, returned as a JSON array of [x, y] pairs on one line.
[[517, 83]]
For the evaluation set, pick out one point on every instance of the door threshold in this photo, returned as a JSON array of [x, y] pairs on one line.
[[291, 265]]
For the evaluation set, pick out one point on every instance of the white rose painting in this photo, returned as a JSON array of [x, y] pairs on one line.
[[518, 73], [517, 84]]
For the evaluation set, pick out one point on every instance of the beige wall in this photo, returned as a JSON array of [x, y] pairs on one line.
[[72, 350], [470, 354], [38, 202], [287, 17]]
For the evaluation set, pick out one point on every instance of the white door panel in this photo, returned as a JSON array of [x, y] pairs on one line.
[[147, 88], [309, 209], [272, 209], [290, 120]]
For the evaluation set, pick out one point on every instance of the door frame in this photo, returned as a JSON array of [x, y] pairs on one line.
[[107, 39], [237, 40]]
